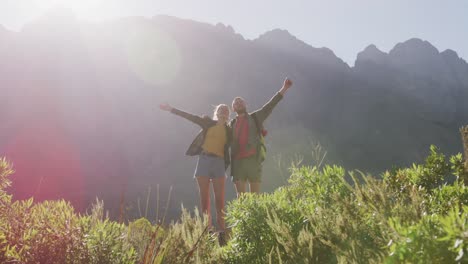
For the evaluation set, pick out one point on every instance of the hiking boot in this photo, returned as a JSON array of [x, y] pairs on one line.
[[211, 231], [222, 239]]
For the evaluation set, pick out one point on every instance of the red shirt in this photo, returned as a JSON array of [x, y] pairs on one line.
[[241, 134]]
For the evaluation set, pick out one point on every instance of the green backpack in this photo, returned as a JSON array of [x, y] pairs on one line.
[[261, 148]]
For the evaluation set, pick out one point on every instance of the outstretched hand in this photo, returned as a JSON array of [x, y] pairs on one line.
[[165, 107], [286, 85]]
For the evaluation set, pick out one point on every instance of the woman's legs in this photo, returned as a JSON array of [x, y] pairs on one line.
[[204, 189], [219, 191]]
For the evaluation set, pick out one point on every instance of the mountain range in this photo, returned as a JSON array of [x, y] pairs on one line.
[[79, 115]]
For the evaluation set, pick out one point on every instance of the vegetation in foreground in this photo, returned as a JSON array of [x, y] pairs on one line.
[[323, 215]]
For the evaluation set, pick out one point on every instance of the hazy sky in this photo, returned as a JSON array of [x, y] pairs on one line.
[[345, 26]]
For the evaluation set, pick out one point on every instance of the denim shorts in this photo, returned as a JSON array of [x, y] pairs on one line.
[[211, 166]]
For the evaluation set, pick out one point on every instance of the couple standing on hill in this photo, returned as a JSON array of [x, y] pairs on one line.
[[243, 135]]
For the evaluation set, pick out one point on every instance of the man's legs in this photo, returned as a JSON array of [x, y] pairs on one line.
[[247, 170], [255, 175], [255, 187], [240, 187], [238, 169]]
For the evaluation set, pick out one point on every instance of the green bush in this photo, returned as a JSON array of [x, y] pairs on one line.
[[47, 232], [106, 241], [139, 235], [253, 238], [185, 241], [433, 239], [323, 215], [321, 218], [448, 196], [429, 176], [52, 232], [5, 200], [277, 227]]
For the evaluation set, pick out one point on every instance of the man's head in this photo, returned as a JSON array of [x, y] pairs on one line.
[[239, 106]]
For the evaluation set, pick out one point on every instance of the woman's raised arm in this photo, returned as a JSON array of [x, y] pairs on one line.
[[193, 118]]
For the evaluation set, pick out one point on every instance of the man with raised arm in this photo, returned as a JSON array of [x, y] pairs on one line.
[[248, 149]]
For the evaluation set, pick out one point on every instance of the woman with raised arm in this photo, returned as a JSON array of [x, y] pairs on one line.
[[212, 147]]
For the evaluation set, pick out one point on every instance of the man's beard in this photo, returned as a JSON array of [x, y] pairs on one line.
[[241, 111]]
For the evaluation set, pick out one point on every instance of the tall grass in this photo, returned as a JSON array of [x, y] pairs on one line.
[[412, 215], [322, 215]]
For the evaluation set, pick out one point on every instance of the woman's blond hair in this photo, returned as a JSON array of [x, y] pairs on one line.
[[215, 114]]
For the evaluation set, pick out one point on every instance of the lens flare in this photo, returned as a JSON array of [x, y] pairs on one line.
[[47, 164]]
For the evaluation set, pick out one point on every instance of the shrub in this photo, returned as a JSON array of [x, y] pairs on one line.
[[52, 232], [274, 227], [253, 238], [139, 235], [433, 239], [412, 215], [185, 241], [322, 218]]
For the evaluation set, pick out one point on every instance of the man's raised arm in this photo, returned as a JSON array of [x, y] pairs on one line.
[[266, 110]]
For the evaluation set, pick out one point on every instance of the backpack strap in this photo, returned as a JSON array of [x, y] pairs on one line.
[[257, 124], [233, 123], [261, 148]]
